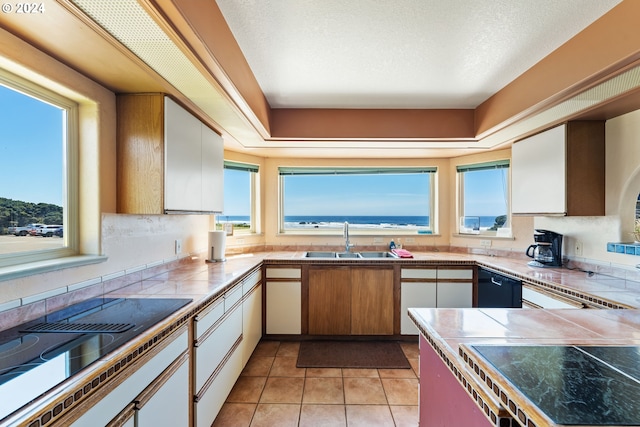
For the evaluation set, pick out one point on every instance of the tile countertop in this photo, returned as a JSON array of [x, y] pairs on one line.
[[451, 329]]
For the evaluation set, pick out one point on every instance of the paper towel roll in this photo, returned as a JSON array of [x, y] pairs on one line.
[[217, 243]]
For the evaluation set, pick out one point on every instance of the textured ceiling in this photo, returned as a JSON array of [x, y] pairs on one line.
[[400, 53]]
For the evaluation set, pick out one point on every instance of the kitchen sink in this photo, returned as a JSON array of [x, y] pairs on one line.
[[378, 255], [348, 255], [319, 254]]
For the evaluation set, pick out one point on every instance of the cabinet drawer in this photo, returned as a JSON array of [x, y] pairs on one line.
[[212, 350], [466, 273], [283, 273], [544, 300], [415, 273], [231, 297], [208, 317], [251, 281], [210, 401]]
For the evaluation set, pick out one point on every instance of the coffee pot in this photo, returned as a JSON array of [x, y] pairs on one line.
[[547, 252]]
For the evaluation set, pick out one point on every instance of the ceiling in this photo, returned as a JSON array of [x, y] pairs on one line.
[[357, 78], [401, 53]]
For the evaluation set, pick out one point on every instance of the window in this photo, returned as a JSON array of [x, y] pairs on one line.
[[484, 198], [239, 197], [37, 146], [372, 200]]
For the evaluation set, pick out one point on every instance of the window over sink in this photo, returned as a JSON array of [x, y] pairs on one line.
[[317, 200]]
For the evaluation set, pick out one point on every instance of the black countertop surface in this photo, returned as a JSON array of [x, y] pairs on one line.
[[573, 385]]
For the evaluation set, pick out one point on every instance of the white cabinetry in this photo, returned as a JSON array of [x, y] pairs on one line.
[[168, 160], [251, 314], [174, 352], [430, 287], [217, 360], [533, 298], [193, 163], [284, 300], [420, 293], [166, 401], [560, 171], [455, 288], [226, 333]]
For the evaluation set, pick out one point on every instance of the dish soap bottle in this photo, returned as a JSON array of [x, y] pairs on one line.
[[392, 245]]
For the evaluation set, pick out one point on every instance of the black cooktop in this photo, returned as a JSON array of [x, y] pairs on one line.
[[67, 341], [574, 385]]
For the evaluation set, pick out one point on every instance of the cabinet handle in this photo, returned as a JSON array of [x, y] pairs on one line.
[[495, 283]]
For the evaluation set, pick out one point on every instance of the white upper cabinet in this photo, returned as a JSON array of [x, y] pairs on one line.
[[193, 163], [168, 160], [560, 171]]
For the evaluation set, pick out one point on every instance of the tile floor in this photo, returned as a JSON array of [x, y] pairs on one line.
[[272, 391]]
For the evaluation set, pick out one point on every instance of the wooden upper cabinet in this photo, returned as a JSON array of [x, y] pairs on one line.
[[560, 171], [168, 160]]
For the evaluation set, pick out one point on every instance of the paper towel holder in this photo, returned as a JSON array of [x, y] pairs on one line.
[[217, 246]]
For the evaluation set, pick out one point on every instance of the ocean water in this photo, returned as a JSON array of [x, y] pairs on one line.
[[362, 220]]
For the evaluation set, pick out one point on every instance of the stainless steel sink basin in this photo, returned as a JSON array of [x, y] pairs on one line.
[[378, 255], [348, 255], [319, 254]]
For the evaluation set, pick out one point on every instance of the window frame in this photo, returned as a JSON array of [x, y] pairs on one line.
[[354, 230], [253, 171], [460, 214], [70, 150]]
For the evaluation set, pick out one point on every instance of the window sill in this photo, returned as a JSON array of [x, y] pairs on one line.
[[39, 267]]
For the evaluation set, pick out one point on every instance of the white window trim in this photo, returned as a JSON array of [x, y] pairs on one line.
[[253, 200], [506, 232], [70, 167]]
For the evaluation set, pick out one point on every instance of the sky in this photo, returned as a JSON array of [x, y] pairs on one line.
[[30, 149]]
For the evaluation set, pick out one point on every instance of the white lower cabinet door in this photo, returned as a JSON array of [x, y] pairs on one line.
[[284, 308], [134, 383], [210, 400], [454, 295], [166, 401], [213, 347], [251, 323], [414, 295]]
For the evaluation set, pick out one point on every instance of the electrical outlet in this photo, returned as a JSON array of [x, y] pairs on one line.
[[410, 240], [240, 241], [485, 243], [178, 246], [378, 240], [578, 248]]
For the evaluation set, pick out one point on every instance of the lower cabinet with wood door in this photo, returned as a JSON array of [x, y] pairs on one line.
[[345, 300]]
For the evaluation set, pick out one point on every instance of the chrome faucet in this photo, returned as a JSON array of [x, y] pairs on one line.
[[345, 233]]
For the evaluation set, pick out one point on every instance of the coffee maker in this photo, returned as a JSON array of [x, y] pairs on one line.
[[547, 252]]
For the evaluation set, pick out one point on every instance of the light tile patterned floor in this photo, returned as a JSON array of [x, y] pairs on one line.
[[272, 391]]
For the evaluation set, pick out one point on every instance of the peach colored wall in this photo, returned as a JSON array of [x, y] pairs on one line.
[[445, 205]]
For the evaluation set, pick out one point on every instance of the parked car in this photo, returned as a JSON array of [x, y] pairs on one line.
[[49, 230], [34, 229], [23, 231]]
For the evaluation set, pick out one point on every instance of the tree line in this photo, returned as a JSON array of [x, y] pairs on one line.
[[19, 213]]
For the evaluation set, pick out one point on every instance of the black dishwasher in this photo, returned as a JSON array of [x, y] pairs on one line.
[[496, 290]]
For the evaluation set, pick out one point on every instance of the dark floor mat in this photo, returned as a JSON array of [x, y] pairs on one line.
[[351, 354]]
